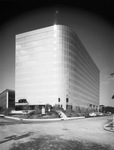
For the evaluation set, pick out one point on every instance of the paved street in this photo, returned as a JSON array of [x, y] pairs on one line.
[[88, 129]]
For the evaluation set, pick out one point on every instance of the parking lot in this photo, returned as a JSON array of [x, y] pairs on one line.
[[86, 130]]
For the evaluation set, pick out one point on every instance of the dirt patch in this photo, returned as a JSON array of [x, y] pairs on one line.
[[57, 143]]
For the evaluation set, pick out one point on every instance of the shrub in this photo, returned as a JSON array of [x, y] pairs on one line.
[[77, 109], [7, 111], [57, 107], [1, 110], [47, 108], [54, 115], [68, 111], [26, 108], [37, 110]]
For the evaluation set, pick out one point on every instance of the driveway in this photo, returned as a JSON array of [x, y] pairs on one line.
[[88, 129]]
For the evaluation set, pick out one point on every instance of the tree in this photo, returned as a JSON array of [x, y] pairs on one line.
[[113, 97]]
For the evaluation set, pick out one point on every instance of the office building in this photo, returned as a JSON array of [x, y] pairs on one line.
[[53, 67]]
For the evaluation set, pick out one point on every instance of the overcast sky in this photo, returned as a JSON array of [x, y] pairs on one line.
[[94, 29]]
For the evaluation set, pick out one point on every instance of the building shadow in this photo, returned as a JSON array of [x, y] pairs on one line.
[[16, 137]]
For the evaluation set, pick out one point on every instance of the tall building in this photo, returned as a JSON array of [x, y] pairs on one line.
[[53, 67]]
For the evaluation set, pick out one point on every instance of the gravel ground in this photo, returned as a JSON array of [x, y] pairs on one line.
[[82, 134]]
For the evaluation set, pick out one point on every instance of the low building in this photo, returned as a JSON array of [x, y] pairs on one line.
[[7, 99]]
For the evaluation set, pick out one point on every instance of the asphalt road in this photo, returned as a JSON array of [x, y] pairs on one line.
[[89, 129]]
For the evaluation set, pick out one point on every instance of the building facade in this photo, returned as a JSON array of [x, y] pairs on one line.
[[53, 67], [7, 99]]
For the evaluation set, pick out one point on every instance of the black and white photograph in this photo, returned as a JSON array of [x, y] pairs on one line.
[[56, 75]]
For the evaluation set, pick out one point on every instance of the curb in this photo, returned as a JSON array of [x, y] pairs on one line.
[[73, 118], [41, 120], [110, 129]]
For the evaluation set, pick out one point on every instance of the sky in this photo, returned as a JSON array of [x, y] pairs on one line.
[[94, 27]]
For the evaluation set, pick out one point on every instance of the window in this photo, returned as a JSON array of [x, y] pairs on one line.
[[90, 105], [58, 99], [67, 100], [66, 107]]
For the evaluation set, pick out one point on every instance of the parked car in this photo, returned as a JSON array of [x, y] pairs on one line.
[[109, 113], [87, 115], [92, 114], [100, 114]]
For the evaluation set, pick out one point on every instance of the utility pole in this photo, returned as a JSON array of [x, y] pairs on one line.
[[112, 75]]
